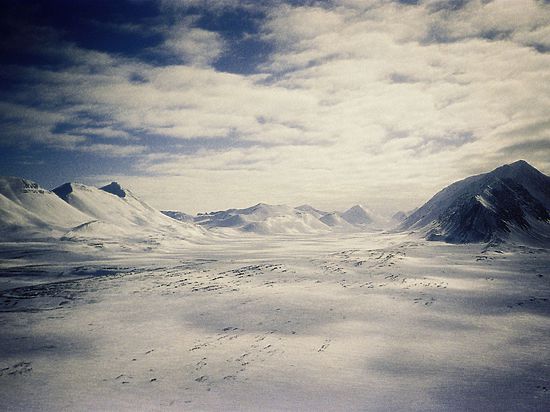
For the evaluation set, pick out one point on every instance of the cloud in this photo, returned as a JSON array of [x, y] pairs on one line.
[[507, 19], [360, 101], [537, 149], [105, 132], [23, 125], [217, 6], [111, 150], [194, 46]]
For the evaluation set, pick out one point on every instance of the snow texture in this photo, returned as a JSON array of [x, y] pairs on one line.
[[345, 322]]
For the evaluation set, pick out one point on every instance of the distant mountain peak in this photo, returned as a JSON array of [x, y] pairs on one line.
[[399, 216], [64, 190], [335, 219], [357, 215], [11, 186], [114, 188], [519, 166], [520, 162], [263, 219], [68, 188], [18, 181], [310, 209]]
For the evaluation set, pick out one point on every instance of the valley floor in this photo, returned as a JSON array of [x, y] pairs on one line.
[[343, 322]]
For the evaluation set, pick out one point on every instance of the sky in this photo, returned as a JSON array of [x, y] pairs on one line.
[[201, 105]]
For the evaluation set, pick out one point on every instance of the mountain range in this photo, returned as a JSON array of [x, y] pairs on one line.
[[511, 202], [281, 219]]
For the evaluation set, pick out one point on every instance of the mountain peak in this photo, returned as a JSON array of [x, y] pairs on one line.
[[515, 168], [399, 216], [357, 207], [114, 188], [357, 215], [18, 183], [15, 188], [512, 198], [310, 209], [520, 162], [64, 190]]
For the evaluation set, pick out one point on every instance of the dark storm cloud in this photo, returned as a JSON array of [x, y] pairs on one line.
[[539, 149]]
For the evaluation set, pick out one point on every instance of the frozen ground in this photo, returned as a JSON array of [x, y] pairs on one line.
[[343, 322]]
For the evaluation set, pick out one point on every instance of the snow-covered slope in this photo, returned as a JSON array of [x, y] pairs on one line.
[[98, 230], [264, 219], [181, 216], [118, 207], [357, 215], [336, 221], [310, 209], [512, 201], [399, 217], [28, 210]]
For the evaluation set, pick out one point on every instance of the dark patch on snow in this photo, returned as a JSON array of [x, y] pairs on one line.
[[115, 189], [63, 191], [182, 217]]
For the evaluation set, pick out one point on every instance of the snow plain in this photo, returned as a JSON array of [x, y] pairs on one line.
[[341, 321]]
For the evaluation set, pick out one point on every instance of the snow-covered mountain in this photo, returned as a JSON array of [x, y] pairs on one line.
[[399, 217], [264, 219], [281, 219], [336, 221], [29, 211], [511, 202], [115, 206], [77, 211], [357, 215]]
